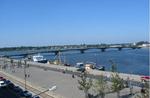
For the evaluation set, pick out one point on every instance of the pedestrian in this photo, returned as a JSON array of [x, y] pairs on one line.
[[73, 76], [142, 90], [25, 75], [63, 72], [126, 84]]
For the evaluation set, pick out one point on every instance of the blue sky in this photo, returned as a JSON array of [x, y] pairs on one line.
[[50, 22]]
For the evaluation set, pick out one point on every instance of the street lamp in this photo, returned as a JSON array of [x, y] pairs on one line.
[[50, 89], [25, 75]]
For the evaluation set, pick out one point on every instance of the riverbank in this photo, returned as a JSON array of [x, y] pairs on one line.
[[66, 85], [72, 70]]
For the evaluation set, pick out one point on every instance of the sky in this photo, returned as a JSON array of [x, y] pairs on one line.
[[59, 22]]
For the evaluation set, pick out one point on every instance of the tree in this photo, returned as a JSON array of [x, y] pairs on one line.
[[145, 90], [12, 62], [113, 66], [4, 64], [85, 84], [101, 86], [117, 84]]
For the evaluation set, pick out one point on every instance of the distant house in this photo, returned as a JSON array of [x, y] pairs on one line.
[[145, 45]]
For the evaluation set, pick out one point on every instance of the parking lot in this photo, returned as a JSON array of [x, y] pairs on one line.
[[8, 93], [67, 86], [10, 90]]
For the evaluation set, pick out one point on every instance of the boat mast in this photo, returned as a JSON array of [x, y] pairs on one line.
[[59, 58]]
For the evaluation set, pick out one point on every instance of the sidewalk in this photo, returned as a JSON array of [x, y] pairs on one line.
[[125, 92], [30, 86]]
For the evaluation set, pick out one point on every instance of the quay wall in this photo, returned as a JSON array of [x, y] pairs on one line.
[[72, 70]]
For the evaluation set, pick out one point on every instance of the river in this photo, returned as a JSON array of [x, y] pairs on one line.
[[127, 61], [134, 61]]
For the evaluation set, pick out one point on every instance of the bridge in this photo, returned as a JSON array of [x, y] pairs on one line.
[[25, 51]]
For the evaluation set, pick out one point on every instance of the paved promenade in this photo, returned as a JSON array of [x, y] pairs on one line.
[[73, 70], [35, 89], [66, 85]]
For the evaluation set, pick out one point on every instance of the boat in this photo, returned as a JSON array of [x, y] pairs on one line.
[[39, 58]]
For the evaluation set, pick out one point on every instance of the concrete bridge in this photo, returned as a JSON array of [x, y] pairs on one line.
[[25, 51]]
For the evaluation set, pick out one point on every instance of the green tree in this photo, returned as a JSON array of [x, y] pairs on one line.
[[113, 66], [101, 86], [117, 84], [146, 89], [85, 84], [12, 62]]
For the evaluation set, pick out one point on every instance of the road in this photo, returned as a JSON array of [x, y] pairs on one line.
[[30, 87], [73, 70], [66, 85]]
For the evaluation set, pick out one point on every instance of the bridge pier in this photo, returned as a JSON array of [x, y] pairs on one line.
[[133, 47], [82, 51], [119, 48], [103, 49], [56, 52]]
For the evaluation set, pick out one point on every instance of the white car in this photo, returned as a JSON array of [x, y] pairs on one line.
[[2, 84]]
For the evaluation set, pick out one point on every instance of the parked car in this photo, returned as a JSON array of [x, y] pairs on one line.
[[102, 68], [7, 82], [27, 94], [17, 89], [79, 65], [2, 84], [67, 64], [2, 78], [81, 69], [145, 78], [35, 97], [11, 85]]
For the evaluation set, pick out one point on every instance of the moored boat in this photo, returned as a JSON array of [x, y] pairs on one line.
[[39, 58]]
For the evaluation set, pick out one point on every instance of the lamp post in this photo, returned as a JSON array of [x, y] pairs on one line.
[[50, 89], [25, 75], [96, 59], [130, 84]]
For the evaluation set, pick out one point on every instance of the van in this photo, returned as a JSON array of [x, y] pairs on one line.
[[80, 65]]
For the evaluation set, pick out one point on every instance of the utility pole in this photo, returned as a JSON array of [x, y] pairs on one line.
[[59, 58], [25, 75], [96, 59]]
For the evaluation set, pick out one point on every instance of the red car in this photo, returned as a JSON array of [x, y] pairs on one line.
[[146, 78], [1, 78]]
